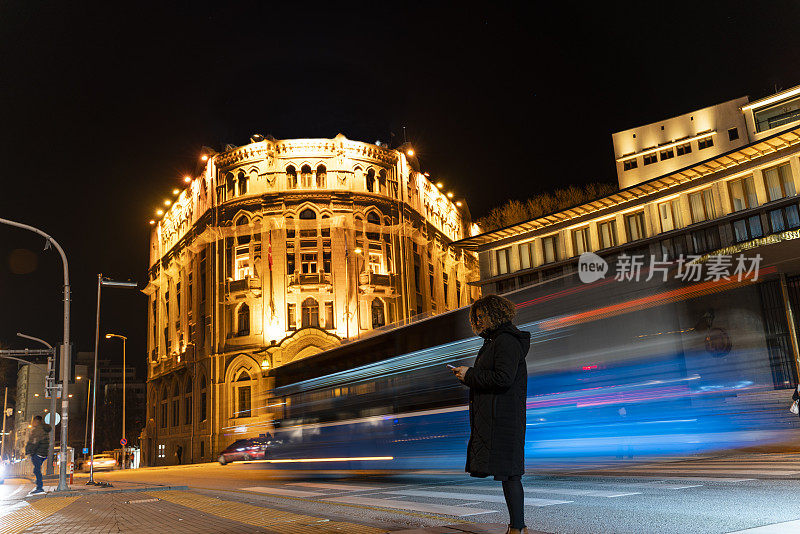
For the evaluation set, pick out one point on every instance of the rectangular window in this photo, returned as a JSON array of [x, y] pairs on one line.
[[308, 263], [430, 280], [290, 267], [416, 273], [629, 164], [502, 261], [733, 134], [667, 154], [747, 229], [375, 262], [243, 403], [706, 142], [291, 319], [202, 276], [649, 159], [669, 213], [176, 412], [683, 149], [580, 241], [525, 257], [705, 240], [701, 205], [444, 285], [329, 316], [164, 414], [326, 261], [187, 405], [777, 115], [607, 231], [634, 224], [189, 295], [778, 181], [786, 218], [242, 267], [178, 298], [458, 292], [203, 413], [550, 249], [742, 193]]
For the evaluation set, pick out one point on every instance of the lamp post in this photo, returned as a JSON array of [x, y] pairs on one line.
[[51, 446], [124, 372], [65, 356], [100, 283]]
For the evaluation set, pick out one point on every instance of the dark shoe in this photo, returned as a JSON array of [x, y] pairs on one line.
[[36, 491], [510, 530]]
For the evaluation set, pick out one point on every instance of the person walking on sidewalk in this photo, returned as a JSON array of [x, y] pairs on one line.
[[498, 383], [37, 446], [179, 453]]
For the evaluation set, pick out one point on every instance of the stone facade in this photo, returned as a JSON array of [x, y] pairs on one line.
[[276, 251]]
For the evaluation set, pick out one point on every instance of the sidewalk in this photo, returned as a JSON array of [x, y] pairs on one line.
[[135, 508]]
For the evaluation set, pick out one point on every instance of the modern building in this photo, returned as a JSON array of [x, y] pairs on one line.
[[717, 181], [278, 250]]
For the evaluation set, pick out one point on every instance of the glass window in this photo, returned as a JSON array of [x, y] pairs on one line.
[[308, 263], [733, 134], [629, 164], [378, 316], [667, 154], [784, 218], [669, 213], [684, 149], [706, 142], [779, 181], [242, 183], [743, 193], [243, 403], [777, 115], [747, 229], [705, 240], [305, 176], [329, 315], [550, 249], [634, 224], [608, 233], [322, 177], [243, 320], [525, 256], [502, 261], [243, 267], [701, 205], [310, 312], [291, 319], [580, 240], [291, 177], [649, 159]]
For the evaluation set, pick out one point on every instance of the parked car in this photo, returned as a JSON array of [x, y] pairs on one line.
[[245, 449], [101, 461]]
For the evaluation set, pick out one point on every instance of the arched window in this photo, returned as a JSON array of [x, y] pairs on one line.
[[243, 320], [176, 405], [326, 226], [242, 183], [310, 312], [378, 317], [230, 185], [371, 180], [188, 407], [322, 177], [382, 181], [373, 218], [308, 213], [308, 229], [305, 176], [291, 177], [203, 398], [243, 395]]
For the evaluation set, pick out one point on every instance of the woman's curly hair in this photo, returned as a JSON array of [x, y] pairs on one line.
[[495, 310]]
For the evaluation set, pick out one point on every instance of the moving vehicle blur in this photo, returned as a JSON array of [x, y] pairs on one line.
[[101, 462], [245, 449]]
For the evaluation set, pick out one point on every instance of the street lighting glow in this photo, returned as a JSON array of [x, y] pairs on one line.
[[204, 157], [426, 174], [188, 179], [167, 202], [357, 250], [78, 377], [458, 203], [152, 221], [410, 151], [159, 212], [450, 194], [176, 191], [439, 185]]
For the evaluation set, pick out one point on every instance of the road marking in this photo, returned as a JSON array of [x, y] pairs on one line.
[[343, 487], [34, 511], [472, 497], [284, 491], [775, 528], [673, 471], [563, 491], [269, 518], [411, 506]]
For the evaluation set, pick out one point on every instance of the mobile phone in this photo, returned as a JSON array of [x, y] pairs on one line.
[[451, 367]]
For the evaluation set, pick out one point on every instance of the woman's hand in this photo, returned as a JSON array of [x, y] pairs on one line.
[[460, 372]]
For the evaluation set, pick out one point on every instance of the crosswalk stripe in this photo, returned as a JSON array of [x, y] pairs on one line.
[[775, 528], [472, 497], [705, 471], [284, 491], [566, 491], [343, 487], [727, 465], [457, 511]]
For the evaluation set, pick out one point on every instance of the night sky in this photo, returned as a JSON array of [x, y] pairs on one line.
[[104, 109]]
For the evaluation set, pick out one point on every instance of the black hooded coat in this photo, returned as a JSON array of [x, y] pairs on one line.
[[498, 386]]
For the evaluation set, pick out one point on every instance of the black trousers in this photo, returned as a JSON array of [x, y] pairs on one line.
[[515, 500]]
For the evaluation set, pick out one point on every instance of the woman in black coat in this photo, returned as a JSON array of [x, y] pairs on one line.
[[497, 391]]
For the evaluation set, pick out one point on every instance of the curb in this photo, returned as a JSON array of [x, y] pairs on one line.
[[86, 492]]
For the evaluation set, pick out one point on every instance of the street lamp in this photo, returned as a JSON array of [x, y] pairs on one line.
[[124, 372], [100, 283]]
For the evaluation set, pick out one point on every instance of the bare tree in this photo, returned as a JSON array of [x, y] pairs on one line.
[[515, 211]]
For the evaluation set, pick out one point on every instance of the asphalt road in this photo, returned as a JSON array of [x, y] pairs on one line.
[[697, 495]]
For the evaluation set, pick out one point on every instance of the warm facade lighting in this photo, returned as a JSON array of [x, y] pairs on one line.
[[78, 377], [167, 202], [176, 191], [152, 222], [410, 151], [35, 394], [187, 179], [439, 185], [458, 203], [357, 250], [450, 195], [159, 212], [204, 157], [426, 174], [265, 364], [667, 146]]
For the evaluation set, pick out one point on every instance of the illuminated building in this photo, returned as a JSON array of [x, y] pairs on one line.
[[276, 251], [737, 192]]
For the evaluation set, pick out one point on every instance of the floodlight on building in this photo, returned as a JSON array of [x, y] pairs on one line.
[[204, 157], [35, 394], [176, 191], [78, 377], [167, 202], [188, 179], [152, 222], [410, 152], [159, 212], [426, 174], [458, 203], [357, 250], [265, 364], [450, 194]]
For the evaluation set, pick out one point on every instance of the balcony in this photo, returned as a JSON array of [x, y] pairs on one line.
[[376, 283], [317, 282], [233, 288]]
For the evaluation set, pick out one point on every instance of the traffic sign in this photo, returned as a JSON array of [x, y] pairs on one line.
[[47, 418], [123, 442], [86, 450]]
